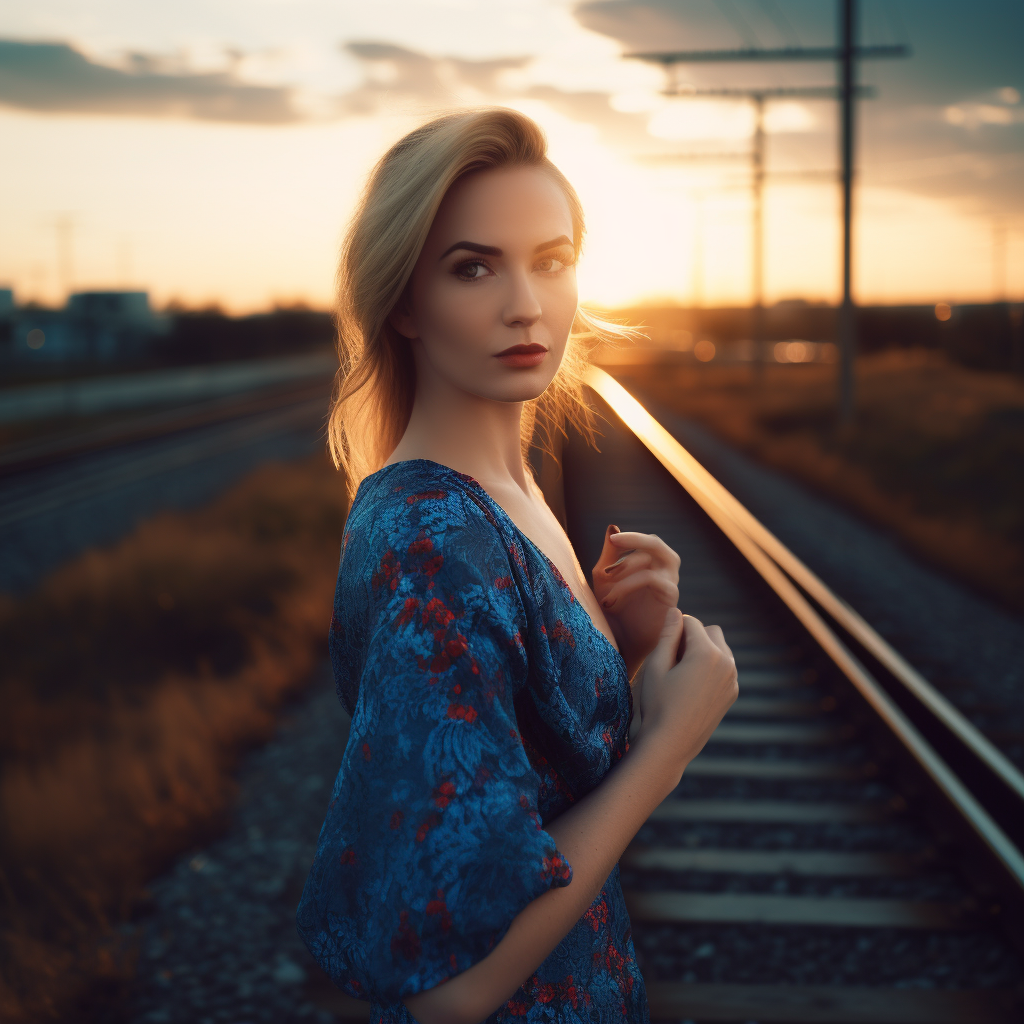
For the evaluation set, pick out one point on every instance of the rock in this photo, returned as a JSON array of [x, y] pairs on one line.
[[288, 973]]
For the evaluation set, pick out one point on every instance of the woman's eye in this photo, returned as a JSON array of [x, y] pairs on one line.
[[472, 271], [549, 265]]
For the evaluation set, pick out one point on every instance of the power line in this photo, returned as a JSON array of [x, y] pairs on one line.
[[781, 53], [742, 26], [846, 54], [782, 23], [756, 155], [64, 225], [895, 20]]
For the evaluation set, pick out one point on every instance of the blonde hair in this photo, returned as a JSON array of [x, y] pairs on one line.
[[375, 383]]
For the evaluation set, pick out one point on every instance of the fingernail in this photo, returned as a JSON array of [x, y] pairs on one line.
[[613, 529], [618, 561]]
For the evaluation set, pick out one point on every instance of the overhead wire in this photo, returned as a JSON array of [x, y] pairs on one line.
[[742, 26], [781, 22], [892, 14]]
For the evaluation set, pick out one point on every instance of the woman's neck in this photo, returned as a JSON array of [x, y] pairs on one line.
[[476, 436]]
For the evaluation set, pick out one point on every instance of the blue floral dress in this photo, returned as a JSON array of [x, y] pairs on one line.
[[484, 702]]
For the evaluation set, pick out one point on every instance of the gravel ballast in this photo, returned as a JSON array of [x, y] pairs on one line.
[[220, 944]]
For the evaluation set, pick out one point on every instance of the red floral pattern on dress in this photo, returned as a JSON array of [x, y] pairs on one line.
[[561, 633]]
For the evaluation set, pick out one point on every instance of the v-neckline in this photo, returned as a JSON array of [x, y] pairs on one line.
[[466, 478]]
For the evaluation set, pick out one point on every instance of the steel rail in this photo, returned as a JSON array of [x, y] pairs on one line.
[[27, 455], [148, 464], [773, 561], [968, 734]]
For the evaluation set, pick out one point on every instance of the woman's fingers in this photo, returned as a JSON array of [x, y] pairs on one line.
[[629, 561], [694, 634], [649, 542], [708, 640], [706, 646], [609, 552], [717, 637], [646, 578], [663, 657]]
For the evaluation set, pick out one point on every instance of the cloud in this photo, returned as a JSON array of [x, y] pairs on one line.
[[55, 78], [626, 130], [396, 72], [657, 25], [1001, 109]]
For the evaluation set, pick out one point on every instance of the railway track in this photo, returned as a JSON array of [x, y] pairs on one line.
[[91, 485], [846, 848], [35, 454], [54, 493]]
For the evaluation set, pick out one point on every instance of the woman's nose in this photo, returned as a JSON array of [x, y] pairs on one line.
[[522, 308]]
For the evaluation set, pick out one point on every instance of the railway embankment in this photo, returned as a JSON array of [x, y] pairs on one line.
[[133, 678]]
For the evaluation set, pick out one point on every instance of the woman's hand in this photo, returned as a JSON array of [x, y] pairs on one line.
[[636, 579], [684, 698]]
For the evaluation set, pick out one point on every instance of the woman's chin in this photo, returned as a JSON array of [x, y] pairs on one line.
[[527, 389], [511, 386]]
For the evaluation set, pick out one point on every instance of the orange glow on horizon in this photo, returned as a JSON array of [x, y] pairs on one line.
[[247, 217]]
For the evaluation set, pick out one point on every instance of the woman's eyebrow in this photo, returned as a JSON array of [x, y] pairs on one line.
[[485, 250], [560, 240], [493, 250]]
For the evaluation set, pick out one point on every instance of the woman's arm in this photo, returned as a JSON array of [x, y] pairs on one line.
[[683, 703]]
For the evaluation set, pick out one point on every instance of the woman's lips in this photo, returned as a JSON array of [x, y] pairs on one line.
[[523, 355]]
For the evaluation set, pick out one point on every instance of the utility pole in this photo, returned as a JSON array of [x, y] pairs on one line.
[[757, 242], [124, 261], [999, 260], [845, 54], [64, 227], [759, 97], [698, 254], [847, 326]]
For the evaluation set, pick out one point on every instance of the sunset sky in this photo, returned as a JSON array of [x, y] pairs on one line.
[[211, 150]]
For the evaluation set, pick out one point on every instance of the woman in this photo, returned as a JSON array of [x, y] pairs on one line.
[[467, 868]]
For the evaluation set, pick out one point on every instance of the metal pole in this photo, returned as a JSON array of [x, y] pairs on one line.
[[698, 253], [999, 260], [758, 237], [64, 225], [847, 327]]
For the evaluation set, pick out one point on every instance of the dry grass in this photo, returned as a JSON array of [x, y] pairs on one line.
[[934, 454], [132, 678]]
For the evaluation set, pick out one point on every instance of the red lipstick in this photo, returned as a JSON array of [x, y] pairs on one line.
[[523, 355]]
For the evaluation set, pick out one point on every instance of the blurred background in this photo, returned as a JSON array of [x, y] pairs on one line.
[[174, 185]]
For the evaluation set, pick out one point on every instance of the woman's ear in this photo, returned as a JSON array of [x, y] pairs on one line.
[[401, 318]]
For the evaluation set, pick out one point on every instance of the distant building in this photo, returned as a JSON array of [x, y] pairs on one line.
[[6, 321], [112, 325], [92, 327]]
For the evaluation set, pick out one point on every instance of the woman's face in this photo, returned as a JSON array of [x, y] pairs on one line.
[[493, 293]]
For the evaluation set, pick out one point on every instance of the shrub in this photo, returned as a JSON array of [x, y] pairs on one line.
[[132, 678]]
